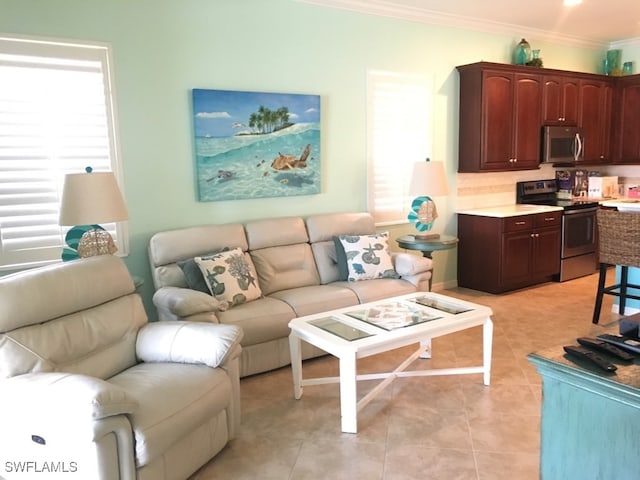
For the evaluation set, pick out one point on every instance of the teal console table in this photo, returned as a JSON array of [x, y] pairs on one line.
[[590, 424]]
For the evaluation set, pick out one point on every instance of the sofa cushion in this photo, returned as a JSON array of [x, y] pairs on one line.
[[230, 276], [324, 254], [193, 275], [281, 268], [341, 259], [188, 394], [317, 298], [378, 289], [262, 320], [368, 256]]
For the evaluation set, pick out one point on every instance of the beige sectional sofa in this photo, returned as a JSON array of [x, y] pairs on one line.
[[297, 269]]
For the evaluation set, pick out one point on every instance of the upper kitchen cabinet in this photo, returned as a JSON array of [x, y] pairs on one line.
[[626, 120], [594, 116], [500, 118], [560, 100]]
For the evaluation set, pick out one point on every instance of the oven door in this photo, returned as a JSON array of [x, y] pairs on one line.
[[579, 232]]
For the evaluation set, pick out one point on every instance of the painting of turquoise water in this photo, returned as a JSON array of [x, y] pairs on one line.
[[253, 145]]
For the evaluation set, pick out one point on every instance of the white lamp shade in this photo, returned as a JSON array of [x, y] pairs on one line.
[[428, 179], [91, 198]]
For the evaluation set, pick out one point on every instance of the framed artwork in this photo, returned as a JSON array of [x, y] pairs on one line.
[[253, 145]]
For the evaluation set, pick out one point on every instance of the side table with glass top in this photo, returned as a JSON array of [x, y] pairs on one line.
[[443, 242]]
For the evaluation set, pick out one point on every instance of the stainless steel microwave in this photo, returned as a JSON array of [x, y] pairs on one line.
[[562, 144]]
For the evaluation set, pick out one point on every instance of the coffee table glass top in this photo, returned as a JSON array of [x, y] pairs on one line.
[[386, 316], [335, 326], [441, 305], [392, 315]]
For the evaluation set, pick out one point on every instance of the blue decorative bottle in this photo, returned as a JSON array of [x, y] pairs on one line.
[[522, 53]]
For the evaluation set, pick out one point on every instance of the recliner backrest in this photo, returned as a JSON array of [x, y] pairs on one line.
[[171, 246], [79, 317], [281, 253]]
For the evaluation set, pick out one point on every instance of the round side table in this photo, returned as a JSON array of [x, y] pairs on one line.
[[427, 247], [409, 242]]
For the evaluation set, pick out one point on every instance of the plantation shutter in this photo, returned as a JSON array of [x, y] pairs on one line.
[[56, 117], [397, 136]]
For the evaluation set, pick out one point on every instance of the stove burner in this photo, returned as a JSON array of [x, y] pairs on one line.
[[543, 192]]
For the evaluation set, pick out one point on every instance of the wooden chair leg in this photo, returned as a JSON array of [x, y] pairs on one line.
[[624, 277], [600, 293]]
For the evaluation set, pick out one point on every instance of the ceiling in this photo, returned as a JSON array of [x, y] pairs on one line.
[[593, 22]]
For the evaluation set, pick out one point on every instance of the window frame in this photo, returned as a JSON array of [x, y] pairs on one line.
[[417, 96], [54, 52]]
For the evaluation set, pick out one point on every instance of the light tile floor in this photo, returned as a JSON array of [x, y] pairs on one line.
[[424, 427]]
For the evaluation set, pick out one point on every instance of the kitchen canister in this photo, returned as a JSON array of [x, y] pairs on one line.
[[613, 62]]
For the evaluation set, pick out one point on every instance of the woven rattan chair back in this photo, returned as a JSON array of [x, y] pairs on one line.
[[619, 236], [619, 245]]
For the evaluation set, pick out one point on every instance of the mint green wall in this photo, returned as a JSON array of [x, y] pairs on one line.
[[164, 48]]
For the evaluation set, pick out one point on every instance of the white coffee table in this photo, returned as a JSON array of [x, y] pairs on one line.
[[363, 330]]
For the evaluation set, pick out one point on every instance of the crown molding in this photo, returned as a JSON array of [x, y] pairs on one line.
[[629, 42], [422, 15]]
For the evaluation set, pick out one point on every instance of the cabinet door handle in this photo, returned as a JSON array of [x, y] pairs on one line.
[[549, 219], [521, 223]]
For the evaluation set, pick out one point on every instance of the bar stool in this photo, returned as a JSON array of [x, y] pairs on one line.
[[619, 245]]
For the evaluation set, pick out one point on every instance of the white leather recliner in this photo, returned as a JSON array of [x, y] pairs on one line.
[[89, 389]]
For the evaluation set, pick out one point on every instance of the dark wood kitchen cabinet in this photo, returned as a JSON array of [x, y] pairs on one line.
[[627, 120], [500, 118], [497, 254], [594, 116], [560, 96]]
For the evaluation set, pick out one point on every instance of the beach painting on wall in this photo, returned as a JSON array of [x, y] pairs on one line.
[[253, 145]]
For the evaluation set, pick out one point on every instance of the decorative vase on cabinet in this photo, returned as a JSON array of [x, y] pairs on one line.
[[522, 53]]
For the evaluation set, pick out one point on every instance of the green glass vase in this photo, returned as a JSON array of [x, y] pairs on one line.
[[522, 53]]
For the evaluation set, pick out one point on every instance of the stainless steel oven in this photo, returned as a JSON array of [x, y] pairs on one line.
[[579, 242]]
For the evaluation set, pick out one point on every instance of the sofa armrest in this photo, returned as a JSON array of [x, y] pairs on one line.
[[64, 395], [187, 342], [181, 303], [407, 264]]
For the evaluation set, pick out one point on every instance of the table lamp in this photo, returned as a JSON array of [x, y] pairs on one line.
[[427, 180], [88, 199]]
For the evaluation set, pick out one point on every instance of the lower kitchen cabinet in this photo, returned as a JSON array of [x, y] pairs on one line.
[[498, 254]]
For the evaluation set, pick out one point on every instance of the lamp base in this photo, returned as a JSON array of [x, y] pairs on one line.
[[96, 242], [426, 236]]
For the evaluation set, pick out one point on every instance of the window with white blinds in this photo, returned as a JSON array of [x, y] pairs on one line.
[[56, 117], [398, 135]]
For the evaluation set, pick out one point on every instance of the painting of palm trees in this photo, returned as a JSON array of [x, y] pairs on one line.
[[252, 144]]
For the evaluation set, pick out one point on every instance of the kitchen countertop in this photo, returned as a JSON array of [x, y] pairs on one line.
[[623, 204], [503, 211]]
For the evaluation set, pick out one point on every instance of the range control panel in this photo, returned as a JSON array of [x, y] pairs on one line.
[[535, 190]]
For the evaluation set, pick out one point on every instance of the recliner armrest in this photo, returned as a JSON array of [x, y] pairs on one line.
[[187, 342], [64, 394], [184, 302], [407, 264]]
